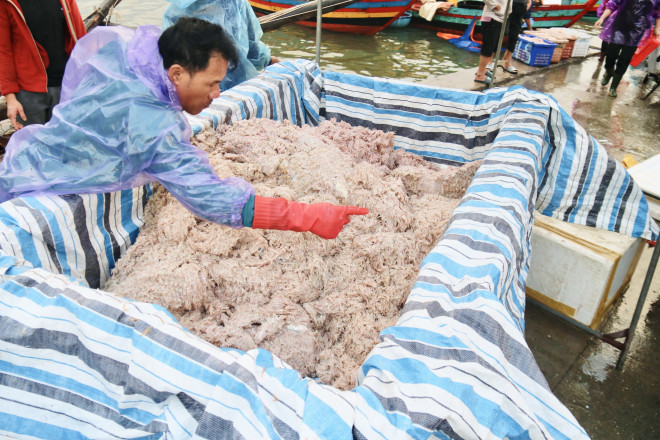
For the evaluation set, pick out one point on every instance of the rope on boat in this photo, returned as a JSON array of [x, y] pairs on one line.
[[111, 12], [101, 15]]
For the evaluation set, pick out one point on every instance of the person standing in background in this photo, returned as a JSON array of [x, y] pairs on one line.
[[491, 25], [626, 22], [528, 16], [515, 21], [36, 39], [240, 22], [603, 43]]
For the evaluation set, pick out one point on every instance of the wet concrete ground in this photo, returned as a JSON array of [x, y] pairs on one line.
[[580, 369]]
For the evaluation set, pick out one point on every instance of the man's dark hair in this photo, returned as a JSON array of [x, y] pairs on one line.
[[191, 42]]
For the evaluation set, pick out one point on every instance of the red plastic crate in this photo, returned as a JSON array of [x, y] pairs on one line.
[[568, 50], [557, 53], [644, 49]]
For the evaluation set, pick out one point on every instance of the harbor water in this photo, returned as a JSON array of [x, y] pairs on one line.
[[410, 53]]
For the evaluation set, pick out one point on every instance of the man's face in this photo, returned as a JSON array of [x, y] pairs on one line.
[[198, 90]]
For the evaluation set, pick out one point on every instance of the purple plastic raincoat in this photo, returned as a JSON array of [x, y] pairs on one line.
[[629, 21], [119, 125]]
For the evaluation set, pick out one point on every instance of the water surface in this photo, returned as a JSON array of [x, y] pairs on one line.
[[413, 53], [410, 53]]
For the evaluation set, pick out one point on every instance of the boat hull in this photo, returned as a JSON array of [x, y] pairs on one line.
[[366, 17], [457, 19]]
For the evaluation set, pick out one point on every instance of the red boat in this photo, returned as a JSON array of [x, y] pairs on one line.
[[365, 17], [458, 18]]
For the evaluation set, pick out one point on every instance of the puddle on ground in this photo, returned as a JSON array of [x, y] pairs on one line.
[[600, 358], [624, 125], [600, 363]]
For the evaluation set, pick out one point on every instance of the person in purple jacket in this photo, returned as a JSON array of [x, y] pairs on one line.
[[626, 22], [603, 43]]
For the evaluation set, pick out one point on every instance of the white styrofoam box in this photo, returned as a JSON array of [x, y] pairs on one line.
[[579, 271], [645, 174]]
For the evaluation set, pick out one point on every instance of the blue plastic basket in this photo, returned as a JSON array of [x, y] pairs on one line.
[[534, 53]]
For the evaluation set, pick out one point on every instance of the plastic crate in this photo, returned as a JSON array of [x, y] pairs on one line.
[[561, 51], [557, 52], [582, 43], [645, 48], [581, 48], [567, 50], [562, 35], [534, 53]]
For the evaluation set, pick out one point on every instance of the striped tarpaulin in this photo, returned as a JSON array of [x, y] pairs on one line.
[[579, 182], [79, 362], [81, 236]]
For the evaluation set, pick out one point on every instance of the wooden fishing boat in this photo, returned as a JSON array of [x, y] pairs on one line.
[[365, 17], [458, 18]]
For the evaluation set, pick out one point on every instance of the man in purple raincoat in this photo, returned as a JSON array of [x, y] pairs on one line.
[[625, 24], [120, 124]]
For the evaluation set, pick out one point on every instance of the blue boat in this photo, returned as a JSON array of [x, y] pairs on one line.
[[454, 21]]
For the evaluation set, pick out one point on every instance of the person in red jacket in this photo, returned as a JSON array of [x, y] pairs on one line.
[[36, 39]]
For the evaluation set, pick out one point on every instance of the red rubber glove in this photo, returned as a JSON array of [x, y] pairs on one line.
[[323, 219]]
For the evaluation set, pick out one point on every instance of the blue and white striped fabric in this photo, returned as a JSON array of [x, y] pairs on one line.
[[81, 236], [79, 362], [579, 182]]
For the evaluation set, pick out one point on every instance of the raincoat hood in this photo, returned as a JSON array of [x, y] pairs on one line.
[[145, 60], [140, 50]]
